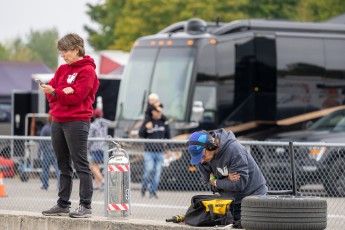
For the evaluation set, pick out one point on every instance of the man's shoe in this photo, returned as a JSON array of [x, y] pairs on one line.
[[236, 224], [153, 195], [81, 212], [56, 211]]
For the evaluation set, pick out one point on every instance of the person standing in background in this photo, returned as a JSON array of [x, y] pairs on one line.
[[153, 102], [71, 94], [48, 156], [153, 127], [98, 128]]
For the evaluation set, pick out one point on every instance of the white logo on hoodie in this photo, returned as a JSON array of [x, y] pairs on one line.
[[223, 171], [71, 78]]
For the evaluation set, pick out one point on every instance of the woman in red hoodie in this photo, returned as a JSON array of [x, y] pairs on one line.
[[71, 93]]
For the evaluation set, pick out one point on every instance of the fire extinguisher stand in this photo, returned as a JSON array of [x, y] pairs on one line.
[[118, 183]]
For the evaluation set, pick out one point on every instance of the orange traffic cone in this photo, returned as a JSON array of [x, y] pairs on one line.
[[2, 186]]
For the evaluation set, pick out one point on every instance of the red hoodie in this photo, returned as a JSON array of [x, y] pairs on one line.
[[81, 76]]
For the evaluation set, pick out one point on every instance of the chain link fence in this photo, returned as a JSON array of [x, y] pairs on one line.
[[319, 171]]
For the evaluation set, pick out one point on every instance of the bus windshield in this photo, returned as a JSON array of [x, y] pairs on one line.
[[165, 71]]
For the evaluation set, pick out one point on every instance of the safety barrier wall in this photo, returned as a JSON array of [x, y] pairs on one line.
[[319, 171]]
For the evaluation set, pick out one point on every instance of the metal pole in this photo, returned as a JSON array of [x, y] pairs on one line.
[[105, 174], [293, 174]]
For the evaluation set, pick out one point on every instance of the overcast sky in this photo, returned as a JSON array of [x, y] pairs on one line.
[[17, 17]]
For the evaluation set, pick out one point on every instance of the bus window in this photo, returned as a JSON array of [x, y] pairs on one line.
[[207, 94], [171, 79], [226, 60], [290, 60], [207, 62], [334, 91], [300, 63], [135, 85], [334, 58]]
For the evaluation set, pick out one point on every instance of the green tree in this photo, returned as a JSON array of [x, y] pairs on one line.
[[106, 15], [40, 46], [43, 47], [121, 22], [270, 9], [318, 10], [4, 53], [210, 10], [19, 51], [140, 18]]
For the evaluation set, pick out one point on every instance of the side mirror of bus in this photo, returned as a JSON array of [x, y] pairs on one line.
[[197, 111]]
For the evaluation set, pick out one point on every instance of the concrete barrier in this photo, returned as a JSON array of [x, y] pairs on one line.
[[18, 220]]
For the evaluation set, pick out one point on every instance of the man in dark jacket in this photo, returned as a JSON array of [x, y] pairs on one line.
[[153, 127], [226, 166]]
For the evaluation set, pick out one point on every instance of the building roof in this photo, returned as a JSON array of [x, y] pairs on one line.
[[15, 75], [338, 19]]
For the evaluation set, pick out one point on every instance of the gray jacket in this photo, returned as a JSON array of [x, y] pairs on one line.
[[233, 157]]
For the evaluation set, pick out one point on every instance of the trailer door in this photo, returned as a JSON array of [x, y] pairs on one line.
[[265, 82], [255, 80], [244, 99]]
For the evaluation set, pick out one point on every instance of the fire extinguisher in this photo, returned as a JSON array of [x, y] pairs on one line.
[[118, 177]]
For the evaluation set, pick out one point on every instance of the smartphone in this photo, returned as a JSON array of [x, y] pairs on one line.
[[39, 81]]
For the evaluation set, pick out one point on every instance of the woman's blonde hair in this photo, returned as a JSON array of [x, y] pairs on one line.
[[71, 42]]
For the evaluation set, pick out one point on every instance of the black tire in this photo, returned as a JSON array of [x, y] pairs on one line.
[[283, 212], [334, 180]]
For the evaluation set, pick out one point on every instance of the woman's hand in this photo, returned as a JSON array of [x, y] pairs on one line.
[[68, 90], [46, 88]]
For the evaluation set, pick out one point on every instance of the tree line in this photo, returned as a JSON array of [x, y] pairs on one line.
[[121, 22], [40, 46]]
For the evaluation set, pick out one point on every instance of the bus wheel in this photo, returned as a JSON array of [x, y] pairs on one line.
[[277, 212]]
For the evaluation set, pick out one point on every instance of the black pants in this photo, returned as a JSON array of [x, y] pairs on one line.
[[69, 141], [236, 211]]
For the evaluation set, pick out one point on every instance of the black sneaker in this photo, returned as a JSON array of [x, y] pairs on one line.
[[153, 195], [236, 224], [56, 211], [81, 212]]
